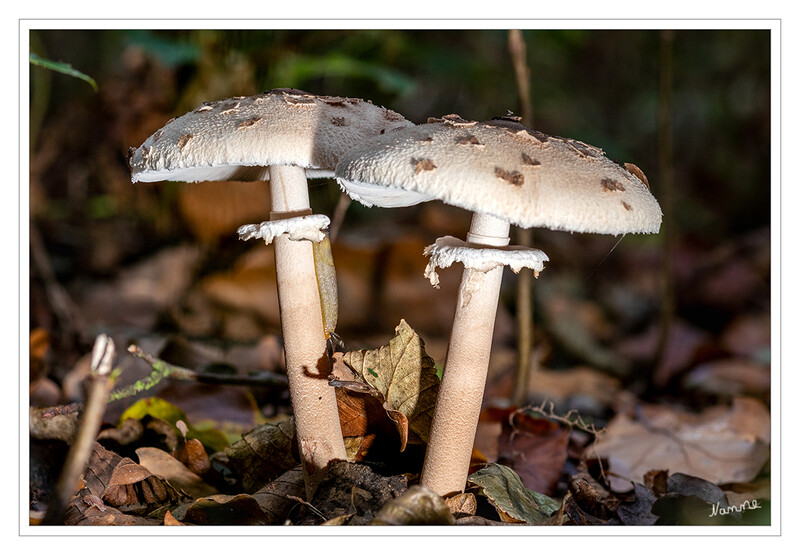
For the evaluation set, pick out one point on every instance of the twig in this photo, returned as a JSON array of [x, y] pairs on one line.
[[163, 370], [571, 419], [63, 307], [338, 216], [524, 305], [78, 456], [665, 153], [309, 505]]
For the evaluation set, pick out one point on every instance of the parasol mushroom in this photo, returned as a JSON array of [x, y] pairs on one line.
[[285, 136], [505, 173]]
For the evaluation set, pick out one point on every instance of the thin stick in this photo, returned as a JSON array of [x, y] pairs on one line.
[[78, 455], [667, 186], [163, 370], [338, 216], [519, 395]]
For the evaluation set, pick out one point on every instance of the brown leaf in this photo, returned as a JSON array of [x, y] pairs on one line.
[[352, 489], [168, 467], [721, 444], [730, 377], [193, 455], [404, 375], [80, 513], [276, 498], [684, 344], [418, 505], [214, 209], [120, 484], [133, 489], [170, 520], [462, 504], [536, 448], [230, 510], [263, 454]]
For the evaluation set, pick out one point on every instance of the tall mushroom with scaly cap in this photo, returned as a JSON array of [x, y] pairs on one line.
[[285, 136], [505, 173]]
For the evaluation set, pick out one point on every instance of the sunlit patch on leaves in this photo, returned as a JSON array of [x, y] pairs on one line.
[[513, 501], [418, 505]]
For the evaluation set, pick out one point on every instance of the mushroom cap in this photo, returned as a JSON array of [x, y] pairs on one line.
[[507, 170], [237, 138]]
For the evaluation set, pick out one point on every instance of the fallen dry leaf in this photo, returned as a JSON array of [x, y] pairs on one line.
[[513, 501], [536, 448], [418, 505], [721, 444], [730, 377], [406, 377], [229, 510], [171, 469], [263, 454], [279, 497]]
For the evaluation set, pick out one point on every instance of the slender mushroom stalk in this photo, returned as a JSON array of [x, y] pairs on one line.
[[504, 173], [286, 136], [467, 363], [316, 416]]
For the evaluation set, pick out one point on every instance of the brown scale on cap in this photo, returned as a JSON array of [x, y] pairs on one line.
[[469, 140], [626, 205], [583, 149], [610, 185], [131, 152], [514, 177], [453, 119], [391, 115], [184, 139], [422, 164], [339, 122], [229, 106], [248, 122], [528, 161], [300, 101], [427, 139], [634, 169]]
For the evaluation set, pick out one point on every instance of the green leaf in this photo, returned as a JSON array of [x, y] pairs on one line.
[[61, 67], [159, 408], [505, 491], [296, 70]]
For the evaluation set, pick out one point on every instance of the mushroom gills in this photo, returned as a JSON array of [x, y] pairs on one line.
[[384, 197]]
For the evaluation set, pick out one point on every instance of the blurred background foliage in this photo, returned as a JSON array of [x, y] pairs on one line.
[[599, 86]]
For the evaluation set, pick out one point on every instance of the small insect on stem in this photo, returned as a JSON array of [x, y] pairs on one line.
[[326, 282]]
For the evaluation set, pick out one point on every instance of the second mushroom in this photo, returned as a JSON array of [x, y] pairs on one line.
[[505, 173]]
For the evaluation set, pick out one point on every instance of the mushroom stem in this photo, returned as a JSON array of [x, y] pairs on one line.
[[458, 405], [316, 416]]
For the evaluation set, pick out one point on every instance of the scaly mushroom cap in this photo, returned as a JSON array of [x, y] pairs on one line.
[[507, 170], [237, 138]]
